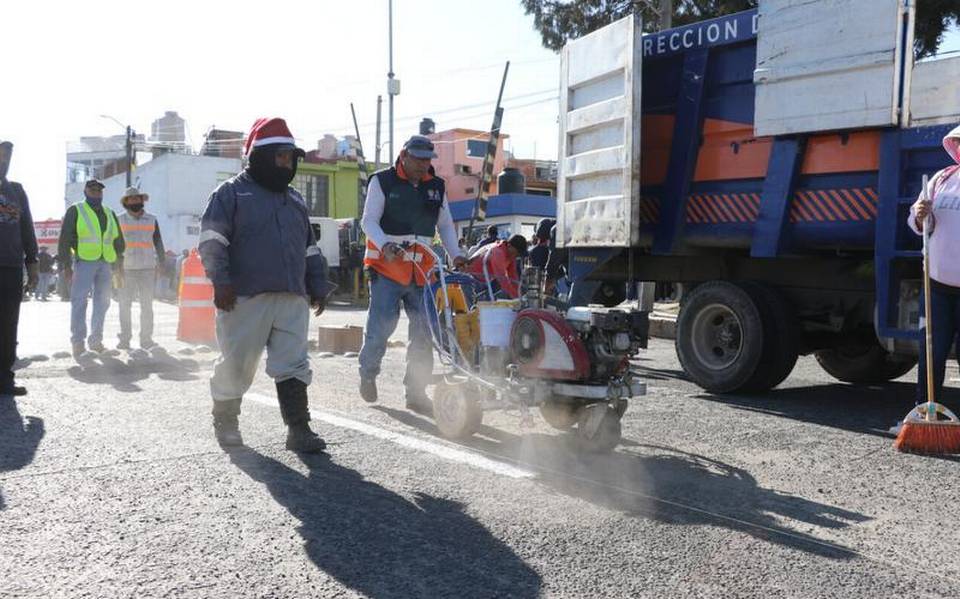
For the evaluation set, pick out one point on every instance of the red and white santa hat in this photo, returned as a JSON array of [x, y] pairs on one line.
[[268, 131]]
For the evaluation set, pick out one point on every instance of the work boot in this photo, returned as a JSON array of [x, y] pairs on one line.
[[417, 401], [79, 349], [97, 346], [123, 345], [148, 344], [226, 422], [303, 440], [368, 389], [14, 390], [295, 411]]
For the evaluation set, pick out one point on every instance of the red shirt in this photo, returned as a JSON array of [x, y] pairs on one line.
[[501, 267]]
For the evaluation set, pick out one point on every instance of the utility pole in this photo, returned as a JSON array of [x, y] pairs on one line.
[[129, 155], [376, 148], [393, 85], [666, 14], [361, 165]]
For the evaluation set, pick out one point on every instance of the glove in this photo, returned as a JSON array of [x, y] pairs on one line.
[[319, 304], [32, 276], [224, 298], [391, 251]]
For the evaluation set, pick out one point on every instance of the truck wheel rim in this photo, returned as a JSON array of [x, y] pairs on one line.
[[717, 337]]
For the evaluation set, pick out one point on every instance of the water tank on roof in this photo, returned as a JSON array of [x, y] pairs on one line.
[[511, 180], [427, 126]]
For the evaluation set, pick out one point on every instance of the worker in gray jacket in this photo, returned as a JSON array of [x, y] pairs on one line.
[[259, 251]]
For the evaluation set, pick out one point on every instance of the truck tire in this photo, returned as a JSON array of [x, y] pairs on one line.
[[610, 295], [869, 364], [781, 338], [720, 336]]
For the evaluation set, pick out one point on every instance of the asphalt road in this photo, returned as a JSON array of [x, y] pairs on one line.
[[111, 485]]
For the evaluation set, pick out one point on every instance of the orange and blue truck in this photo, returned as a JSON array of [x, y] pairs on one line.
[[766, 161]]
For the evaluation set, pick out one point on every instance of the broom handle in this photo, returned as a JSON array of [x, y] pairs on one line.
[[928, 326]]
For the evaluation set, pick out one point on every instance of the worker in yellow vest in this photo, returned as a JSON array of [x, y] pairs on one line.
[[143, 257], [90, 233]]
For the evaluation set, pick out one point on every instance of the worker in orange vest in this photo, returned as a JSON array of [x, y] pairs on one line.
[[406, 206]]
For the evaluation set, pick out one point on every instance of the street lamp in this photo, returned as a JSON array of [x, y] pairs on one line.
[[129, 146]]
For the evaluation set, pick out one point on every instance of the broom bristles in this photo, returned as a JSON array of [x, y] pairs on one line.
[[920, 436]]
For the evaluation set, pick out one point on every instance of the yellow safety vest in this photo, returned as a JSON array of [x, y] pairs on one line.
[[92, 243]]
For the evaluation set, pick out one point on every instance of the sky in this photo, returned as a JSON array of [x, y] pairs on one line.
[[225, 63]]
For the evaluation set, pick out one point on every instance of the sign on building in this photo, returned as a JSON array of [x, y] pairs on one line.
[[47, 232]]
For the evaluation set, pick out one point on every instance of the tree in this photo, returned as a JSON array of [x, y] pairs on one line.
[[560, 20], [933, 19]]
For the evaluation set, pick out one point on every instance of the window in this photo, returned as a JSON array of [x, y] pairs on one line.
[[315, 190], [476, 148], [469, 190], [533, 191]]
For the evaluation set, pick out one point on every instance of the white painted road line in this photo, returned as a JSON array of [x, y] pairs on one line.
[[440, 450]]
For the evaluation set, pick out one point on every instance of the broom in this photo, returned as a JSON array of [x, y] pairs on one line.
[[923, 431]]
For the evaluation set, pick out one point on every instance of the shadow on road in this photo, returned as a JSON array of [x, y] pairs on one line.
[[382, 544], [665, 484], [868, 409], [123, 375], [19, 437]]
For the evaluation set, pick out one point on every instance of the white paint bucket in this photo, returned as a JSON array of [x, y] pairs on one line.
[[496, 319]]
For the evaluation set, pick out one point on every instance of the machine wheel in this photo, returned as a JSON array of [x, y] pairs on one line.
[[560, 413], [781, 338], [456, 410], [864, 364], [610, 295], [598, 428], [720, 336]]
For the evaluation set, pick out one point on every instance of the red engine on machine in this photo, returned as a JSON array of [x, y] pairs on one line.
[[587, 344]]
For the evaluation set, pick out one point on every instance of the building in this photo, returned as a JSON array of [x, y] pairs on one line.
[[169, 129], [513, 213], [459, 161], [179, 186], [347, 147], [327, 147], [540, 175], [329, 186], [97, 157], [223, 143]]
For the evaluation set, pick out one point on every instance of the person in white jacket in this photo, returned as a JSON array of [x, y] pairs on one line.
[[943, 203]]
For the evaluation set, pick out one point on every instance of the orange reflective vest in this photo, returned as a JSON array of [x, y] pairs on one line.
[[411, 266]]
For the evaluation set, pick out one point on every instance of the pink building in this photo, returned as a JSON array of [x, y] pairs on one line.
[[459, 161]]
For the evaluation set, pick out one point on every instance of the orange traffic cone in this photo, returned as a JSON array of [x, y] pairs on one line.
[[197, 313]]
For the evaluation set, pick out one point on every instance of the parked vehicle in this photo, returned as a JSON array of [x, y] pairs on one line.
[[767, 161]]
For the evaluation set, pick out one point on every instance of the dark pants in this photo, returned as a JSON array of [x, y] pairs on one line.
[[11, 293], [945, 313]]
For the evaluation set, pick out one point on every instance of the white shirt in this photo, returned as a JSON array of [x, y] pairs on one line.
[[373, 212], [945, 235]]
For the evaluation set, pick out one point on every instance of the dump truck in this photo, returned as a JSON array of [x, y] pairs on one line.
[[767, 161]]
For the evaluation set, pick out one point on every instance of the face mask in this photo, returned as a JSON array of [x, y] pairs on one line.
[[137, 208], [262, 166], [95, 202]]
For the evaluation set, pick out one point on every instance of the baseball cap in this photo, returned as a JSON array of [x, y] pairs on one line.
[[93, 183], [420, 146]]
